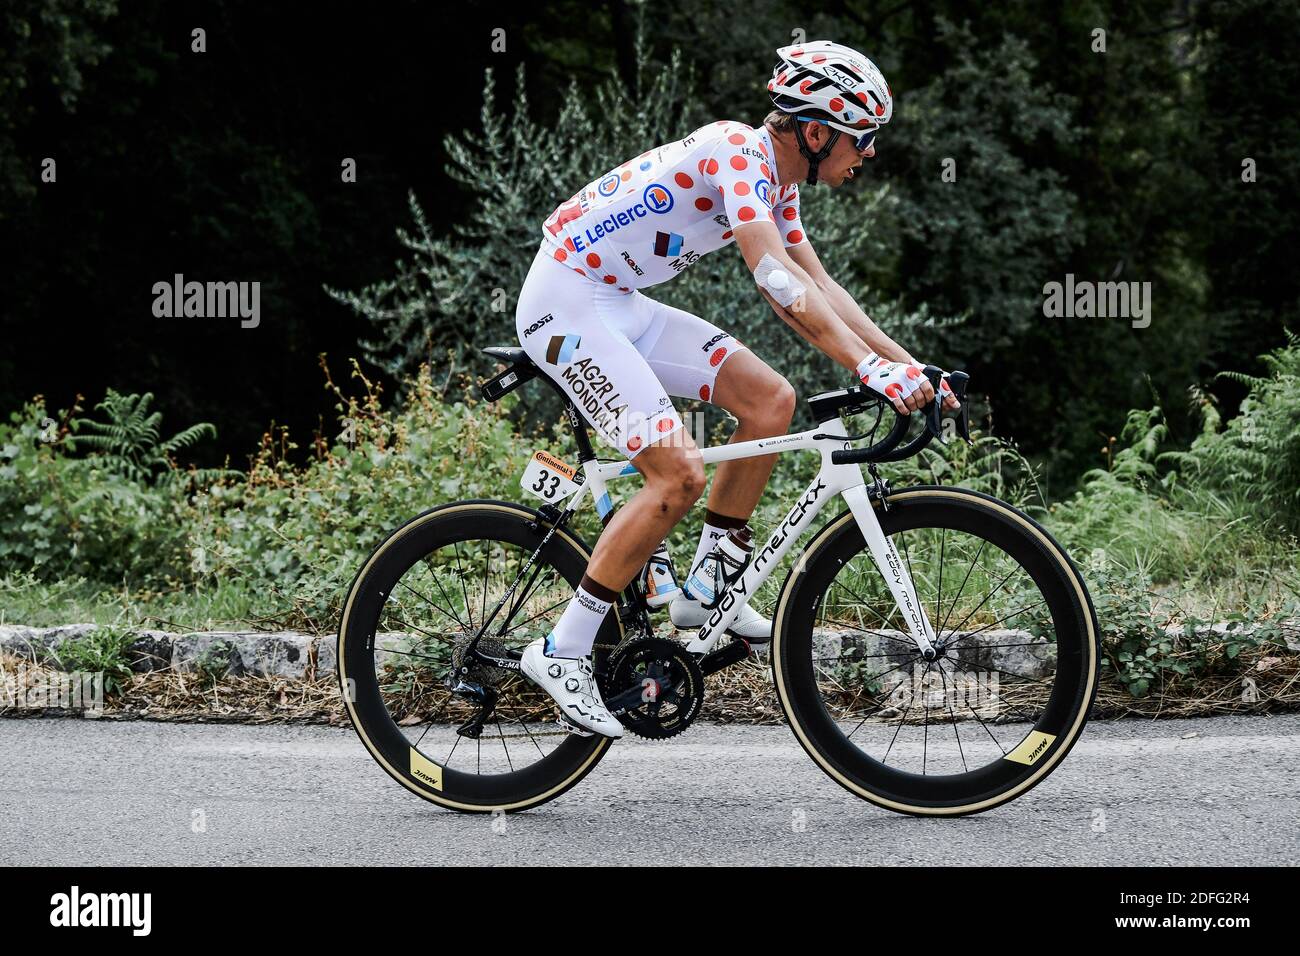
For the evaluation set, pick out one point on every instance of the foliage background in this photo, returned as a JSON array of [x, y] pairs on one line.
[[225, 165], [1171, 451]]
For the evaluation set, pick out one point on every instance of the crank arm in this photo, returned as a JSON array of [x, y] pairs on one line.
[[634, 697], [724, 656]]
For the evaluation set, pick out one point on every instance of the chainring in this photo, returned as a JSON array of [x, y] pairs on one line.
[[671, 681]]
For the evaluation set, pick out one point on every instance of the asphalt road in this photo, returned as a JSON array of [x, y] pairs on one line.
[[1216, 791]]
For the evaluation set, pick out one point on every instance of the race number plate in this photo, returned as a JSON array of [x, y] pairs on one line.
[[548, 478]]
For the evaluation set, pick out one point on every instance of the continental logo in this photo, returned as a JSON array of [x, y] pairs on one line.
[[1031, 748], [425, 770], [555, 464]]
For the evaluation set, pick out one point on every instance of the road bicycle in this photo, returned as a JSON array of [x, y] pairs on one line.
[[934, 649]]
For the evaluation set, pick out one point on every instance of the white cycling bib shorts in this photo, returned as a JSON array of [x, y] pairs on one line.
[[618, 355]]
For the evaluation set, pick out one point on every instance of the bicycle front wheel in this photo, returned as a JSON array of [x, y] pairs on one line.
[[1005, 698]]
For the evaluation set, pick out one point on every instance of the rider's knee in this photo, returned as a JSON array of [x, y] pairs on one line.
[[783, 401], [692, 480], [680, 481], [773, 409]]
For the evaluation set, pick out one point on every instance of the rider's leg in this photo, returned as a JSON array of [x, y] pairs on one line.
[[695, 358], [674, 480], [582, 335], [763, 404]]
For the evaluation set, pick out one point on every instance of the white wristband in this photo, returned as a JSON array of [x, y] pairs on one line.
[[867, 364]]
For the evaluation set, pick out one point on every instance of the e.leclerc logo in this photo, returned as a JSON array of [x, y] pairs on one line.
[[608, 185], [657, 199], [763, 191]]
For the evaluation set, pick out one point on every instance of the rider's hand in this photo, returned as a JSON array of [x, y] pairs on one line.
[[904, 384]]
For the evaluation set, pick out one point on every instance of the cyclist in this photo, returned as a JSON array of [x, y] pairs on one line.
[[620, 355]]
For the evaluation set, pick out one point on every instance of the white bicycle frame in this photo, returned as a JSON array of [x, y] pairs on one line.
[[845, 480]]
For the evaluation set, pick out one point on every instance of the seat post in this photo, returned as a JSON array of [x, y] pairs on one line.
[[585, 452]]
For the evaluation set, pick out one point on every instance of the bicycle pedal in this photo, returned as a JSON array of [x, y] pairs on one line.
[[572, 728]]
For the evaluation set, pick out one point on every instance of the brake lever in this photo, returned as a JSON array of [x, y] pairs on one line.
[[932, 422], [957, 381]]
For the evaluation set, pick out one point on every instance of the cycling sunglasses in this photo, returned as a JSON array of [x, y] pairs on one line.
[[861, 142]]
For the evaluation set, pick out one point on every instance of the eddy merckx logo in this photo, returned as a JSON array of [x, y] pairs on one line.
[[1098, 300], [179, 299], [75, 909]]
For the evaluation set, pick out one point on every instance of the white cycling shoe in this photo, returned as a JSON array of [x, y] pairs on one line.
[[687, 612], [569, 680]]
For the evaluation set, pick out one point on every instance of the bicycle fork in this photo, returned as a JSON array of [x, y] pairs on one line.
[[892, 569]]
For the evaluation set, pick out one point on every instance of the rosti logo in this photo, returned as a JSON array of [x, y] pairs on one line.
[[538, 324], [607, 185], [715, 340], [657, 198], [631, 262]]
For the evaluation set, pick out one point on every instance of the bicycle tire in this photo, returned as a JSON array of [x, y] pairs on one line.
[[1072, 689], [360, 678]]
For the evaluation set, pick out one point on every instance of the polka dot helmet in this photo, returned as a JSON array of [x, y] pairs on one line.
[[831, 82]]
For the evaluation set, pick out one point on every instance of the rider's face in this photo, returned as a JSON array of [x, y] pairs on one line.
[[844, 162]]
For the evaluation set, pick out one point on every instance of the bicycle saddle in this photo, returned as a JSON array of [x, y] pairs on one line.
[[510, 355], [519, 369]]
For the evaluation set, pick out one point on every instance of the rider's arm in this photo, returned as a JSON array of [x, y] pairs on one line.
[[845, 307], [851, 313], [812, 315]]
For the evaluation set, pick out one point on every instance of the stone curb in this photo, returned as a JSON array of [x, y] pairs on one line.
[[257, 653], [289, 653]]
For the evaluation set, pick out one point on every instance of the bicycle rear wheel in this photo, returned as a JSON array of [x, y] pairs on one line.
[[996, 710], [419, 597]]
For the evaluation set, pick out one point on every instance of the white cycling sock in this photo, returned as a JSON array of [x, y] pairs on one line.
[[575, 632], [708, 538]]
